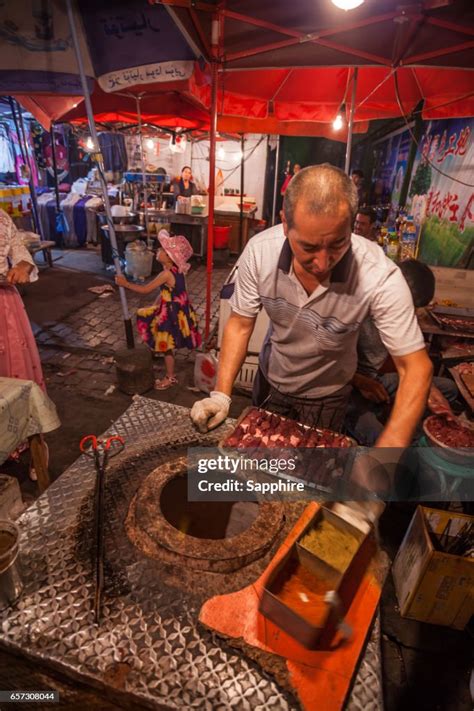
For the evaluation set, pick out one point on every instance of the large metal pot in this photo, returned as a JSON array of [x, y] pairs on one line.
[[129, 219], [126, 231]]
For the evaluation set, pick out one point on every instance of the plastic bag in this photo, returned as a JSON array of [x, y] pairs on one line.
[[205, 371]]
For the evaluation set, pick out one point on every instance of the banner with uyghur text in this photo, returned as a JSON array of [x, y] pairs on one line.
[[441, 193]]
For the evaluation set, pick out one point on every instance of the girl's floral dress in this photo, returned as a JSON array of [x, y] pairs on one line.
[[171, 322]]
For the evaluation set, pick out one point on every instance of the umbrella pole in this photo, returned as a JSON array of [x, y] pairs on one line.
[[275, 182], [60, 224], [98, 159], [142, 160], [55, 169], [242, 163], [26, 159], [212, 191], [31, 185], [350, 127]]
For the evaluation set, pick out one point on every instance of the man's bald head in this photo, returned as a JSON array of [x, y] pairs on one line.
[[323, 189]]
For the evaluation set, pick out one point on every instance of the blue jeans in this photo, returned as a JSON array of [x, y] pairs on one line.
[[365, 419]]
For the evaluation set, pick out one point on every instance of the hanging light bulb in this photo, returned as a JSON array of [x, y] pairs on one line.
[[339, 121], [90, 144], [220, 153], [150, 143], [347, 4]]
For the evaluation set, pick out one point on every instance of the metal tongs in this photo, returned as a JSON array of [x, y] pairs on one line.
[[100, 451]]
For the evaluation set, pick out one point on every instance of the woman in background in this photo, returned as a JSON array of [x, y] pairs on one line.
[[184, 187], [19, 357]]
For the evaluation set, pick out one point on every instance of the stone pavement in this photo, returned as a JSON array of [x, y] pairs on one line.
[[77, 351], [98, 326]]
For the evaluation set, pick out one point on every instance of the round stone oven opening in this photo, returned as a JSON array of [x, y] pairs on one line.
[[221, 537], [204, 519]]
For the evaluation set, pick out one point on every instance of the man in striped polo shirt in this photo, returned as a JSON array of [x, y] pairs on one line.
[[317, 282]]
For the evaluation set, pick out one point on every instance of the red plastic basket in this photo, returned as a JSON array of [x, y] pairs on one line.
[[221, 236]]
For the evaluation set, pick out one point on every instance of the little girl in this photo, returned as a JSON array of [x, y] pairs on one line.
[[171, 322]]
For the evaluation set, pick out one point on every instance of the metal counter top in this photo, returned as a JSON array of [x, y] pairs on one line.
[[150, 647]]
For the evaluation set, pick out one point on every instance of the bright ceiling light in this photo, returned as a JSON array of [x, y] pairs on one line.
[[221, 153], [150, 143], [90, 144], [337, 123], [347, 4]]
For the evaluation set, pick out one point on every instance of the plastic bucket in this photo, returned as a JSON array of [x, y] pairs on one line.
[[221, 236]]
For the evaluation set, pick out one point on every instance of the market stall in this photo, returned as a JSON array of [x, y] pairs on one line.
[[132, 584]]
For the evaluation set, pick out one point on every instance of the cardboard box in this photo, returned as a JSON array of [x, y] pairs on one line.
[[432, 586]]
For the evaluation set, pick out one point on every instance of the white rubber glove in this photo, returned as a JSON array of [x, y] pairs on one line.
[[210, 412]]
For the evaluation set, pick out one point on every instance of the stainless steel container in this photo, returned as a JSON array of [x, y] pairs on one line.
[[125, 232], [130, 218], [345, 583], [11, 584]]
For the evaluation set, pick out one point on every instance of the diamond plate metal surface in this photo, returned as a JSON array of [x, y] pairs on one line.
[[149, 645]]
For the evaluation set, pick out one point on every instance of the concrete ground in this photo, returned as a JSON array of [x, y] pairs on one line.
[[424, 667]]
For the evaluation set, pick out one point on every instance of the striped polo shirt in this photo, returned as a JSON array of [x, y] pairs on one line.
[[311, 347]]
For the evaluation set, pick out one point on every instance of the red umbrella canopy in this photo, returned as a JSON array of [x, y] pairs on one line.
[[167, 109], [317, 94], [308, 33], [294, 61]]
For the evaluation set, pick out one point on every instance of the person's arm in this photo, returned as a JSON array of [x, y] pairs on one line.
[[245, 304], [235, 342], [148, 288], [415, 371], [394, 316], [377, 470], [212, 411], [23, 268]]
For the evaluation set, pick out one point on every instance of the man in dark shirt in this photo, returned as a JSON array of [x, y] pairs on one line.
[[374, 393]]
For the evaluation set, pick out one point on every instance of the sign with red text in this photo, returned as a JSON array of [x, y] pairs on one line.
[[441, 193]]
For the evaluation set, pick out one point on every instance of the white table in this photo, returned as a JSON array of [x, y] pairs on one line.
[[26, 412]]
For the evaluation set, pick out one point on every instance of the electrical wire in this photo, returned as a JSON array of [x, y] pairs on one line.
[[417, 143], [231, 171]]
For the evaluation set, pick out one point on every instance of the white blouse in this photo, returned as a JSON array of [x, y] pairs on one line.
[[11, 247]]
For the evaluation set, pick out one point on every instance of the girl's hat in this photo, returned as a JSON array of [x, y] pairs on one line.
[[178, 250]]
